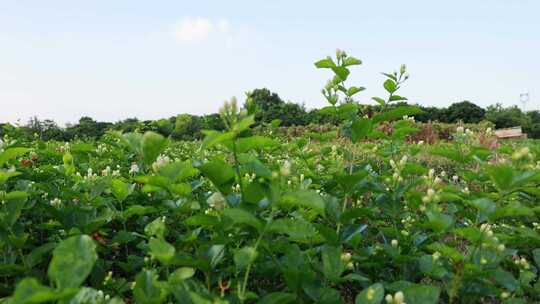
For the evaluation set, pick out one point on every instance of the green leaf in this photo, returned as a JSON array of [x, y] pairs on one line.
[[351, 61], [4, 175], [331, 261], [148, 290], [203, 220], [133, 141], [374, 294], [241, 216], [353, 213], [15, 202], [448, 152], [349, 181], [257, 142], [243, 257], [506, 178], [524, 178], [244, 124], [178, 171], [183, 273], [402, 132], [360, 128], [278, 298], [138, 210], [353, 90], [397, 113], [153, 180], [326, 63], [536, 256], [215, 254], [379, 100], [11, 153], [30, 291], [438, 221], [347, 110], [213, 138], [72, 261], [303, 198], [397, 98], [220, 173], [446, 251], [391, 76], [181, 189], [513, 209], [501, 175], [470, 233], [422, 294], [156, 228], [485, 206], [504, 278], [119, 189], [251, 164], [152, 145], [390, 86], [341, 72], [253, 193], [161, 250], [300, 231], [39, 253], [90, 295]]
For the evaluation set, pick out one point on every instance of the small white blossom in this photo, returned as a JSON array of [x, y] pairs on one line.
[[134, 168], [285, 169]]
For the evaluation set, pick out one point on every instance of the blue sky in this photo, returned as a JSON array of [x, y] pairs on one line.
[[151, 59]]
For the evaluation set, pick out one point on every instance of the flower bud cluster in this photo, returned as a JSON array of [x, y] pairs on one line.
[[56, 202], [397, 168], [522, 262], [397, 298], [523, 153], [346, 260], [161, 161]]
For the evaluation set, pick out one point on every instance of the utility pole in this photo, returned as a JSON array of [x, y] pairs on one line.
[[524, 98]]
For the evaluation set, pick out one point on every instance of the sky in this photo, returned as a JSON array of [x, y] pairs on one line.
[[116, 59]]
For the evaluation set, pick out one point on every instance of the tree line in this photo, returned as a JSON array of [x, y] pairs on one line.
[[272, 110]]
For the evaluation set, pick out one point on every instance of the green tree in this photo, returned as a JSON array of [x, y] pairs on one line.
[[465, 111], [187, 127], [163, 126], [271, 107], [212, 122], [507, 117], [88, 128], [431, 114]]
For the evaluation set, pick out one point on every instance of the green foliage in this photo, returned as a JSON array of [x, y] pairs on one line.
[[374, 294], [187, 127], [466, 112], [354, 213], [72, 261], [152, 145]]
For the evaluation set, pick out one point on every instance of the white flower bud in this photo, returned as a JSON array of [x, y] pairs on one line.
[[285, 168], [399, 297]]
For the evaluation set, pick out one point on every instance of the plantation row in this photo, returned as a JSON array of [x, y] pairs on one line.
[[246, 218]]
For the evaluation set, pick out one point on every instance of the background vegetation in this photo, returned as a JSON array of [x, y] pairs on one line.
[[272, 109]]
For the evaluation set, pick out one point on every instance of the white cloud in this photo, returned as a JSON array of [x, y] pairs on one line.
[[197, 29]]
